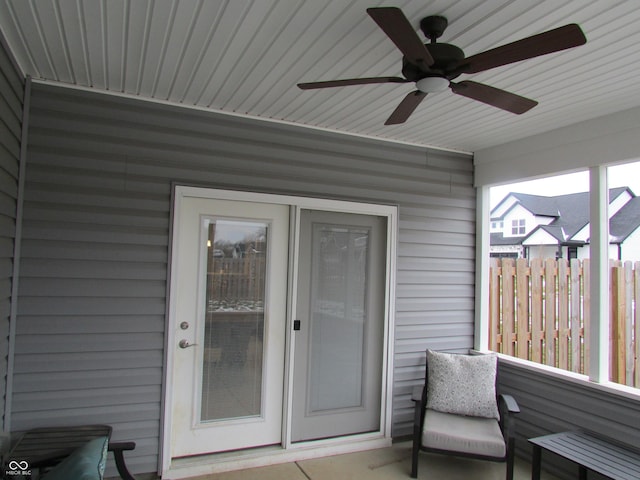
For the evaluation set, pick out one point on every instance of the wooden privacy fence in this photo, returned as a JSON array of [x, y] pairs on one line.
[[539, 310], [236, 283]]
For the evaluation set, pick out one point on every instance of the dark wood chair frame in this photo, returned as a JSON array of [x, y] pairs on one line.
[[44, 448], [507, 407]]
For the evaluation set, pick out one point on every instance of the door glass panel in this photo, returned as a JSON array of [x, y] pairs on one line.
[[234, 319], [338, 313]]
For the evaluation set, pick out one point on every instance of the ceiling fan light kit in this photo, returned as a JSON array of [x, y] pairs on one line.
[[432, 84], [433, 66]]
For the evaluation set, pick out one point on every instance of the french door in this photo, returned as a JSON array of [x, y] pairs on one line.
[[278, 313], [229, 325], [340, 325]]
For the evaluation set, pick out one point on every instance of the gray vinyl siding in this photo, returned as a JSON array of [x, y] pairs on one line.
[[550, 404], [11, 95], [91, 325]]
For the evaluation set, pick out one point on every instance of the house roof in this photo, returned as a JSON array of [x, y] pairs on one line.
[[498, 239], [538, 204], [555, 231], [625, 221], [570, 212]]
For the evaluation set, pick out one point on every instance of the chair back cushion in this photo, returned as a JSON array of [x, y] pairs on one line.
[[462, 384]]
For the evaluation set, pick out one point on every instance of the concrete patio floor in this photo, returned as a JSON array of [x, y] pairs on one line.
[[391, 463]]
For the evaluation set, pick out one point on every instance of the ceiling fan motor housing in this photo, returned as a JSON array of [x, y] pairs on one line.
[[446, 57]]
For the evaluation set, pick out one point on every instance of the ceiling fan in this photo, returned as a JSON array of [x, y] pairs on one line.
[[433, 66]]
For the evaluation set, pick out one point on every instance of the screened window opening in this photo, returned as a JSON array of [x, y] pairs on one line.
[[539, 308]]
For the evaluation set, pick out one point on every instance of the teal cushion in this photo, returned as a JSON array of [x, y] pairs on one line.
[[85, 463]]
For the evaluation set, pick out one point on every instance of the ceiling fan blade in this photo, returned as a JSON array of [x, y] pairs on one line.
[[548, 42], [398, 28], [493, 96], [406, 108], [351, 81]]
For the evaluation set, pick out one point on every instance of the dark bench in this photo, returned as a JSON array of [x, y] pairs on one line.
[[43, 448], [590, 452]]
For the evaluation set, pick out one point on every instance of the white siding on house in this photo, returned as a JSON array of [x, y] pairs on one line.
[[516, 214], [540, 237], [544, 251], [504, 205], [613, 251], [541, 245], [631, 247], [583, 234], [96, 233], [584, 252]]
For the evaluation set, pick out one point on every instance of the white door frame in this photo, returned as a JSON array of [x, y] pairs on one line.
[[288, 450]]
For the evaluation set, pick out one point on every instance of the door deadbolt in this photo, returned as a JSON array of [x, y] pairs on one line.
[[184, 325]]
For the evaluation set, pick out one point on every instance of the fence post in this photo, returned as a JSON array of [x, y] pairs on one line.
[[550, 328], [636, 323], [629, 356], [586, 313], [508, 313], [537, 304], [574, 319], [522, 305], [495, 340], [617, 340], [563, 314]]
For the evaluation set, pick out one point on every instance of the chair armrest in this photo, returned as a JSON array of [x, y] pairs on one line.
[[510, 403], [118, 448], [417, 393], [508, 408]]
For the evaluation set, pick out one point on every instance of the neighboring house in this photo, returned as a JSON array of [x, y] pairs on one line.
[[537, 226], [624, 232]]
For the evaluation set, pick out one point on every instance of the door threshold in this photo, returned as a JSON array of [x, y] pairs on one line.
[[186, 467]]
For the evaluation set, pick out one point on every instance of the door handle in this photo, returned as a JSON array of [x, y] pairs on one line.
[[184, 343]]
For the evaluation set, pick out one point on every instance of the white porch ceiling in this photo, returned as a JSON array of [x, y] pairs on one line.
[[246, 57]]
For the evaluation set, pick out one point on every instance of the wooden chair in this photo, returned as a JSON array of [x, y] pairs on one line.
[[459, 432]]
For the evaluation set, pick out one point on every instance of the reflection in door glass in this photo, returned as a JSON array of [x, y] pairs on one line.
[[338, 316], [234, 319]]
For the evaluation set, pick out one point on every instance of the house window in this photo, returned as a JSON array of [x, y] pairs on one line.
[[504, 255], [518, 227], [497, 226]]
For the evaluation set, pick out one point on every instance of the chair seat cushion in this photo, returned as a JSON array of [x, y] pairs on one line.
[[463, 434]]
